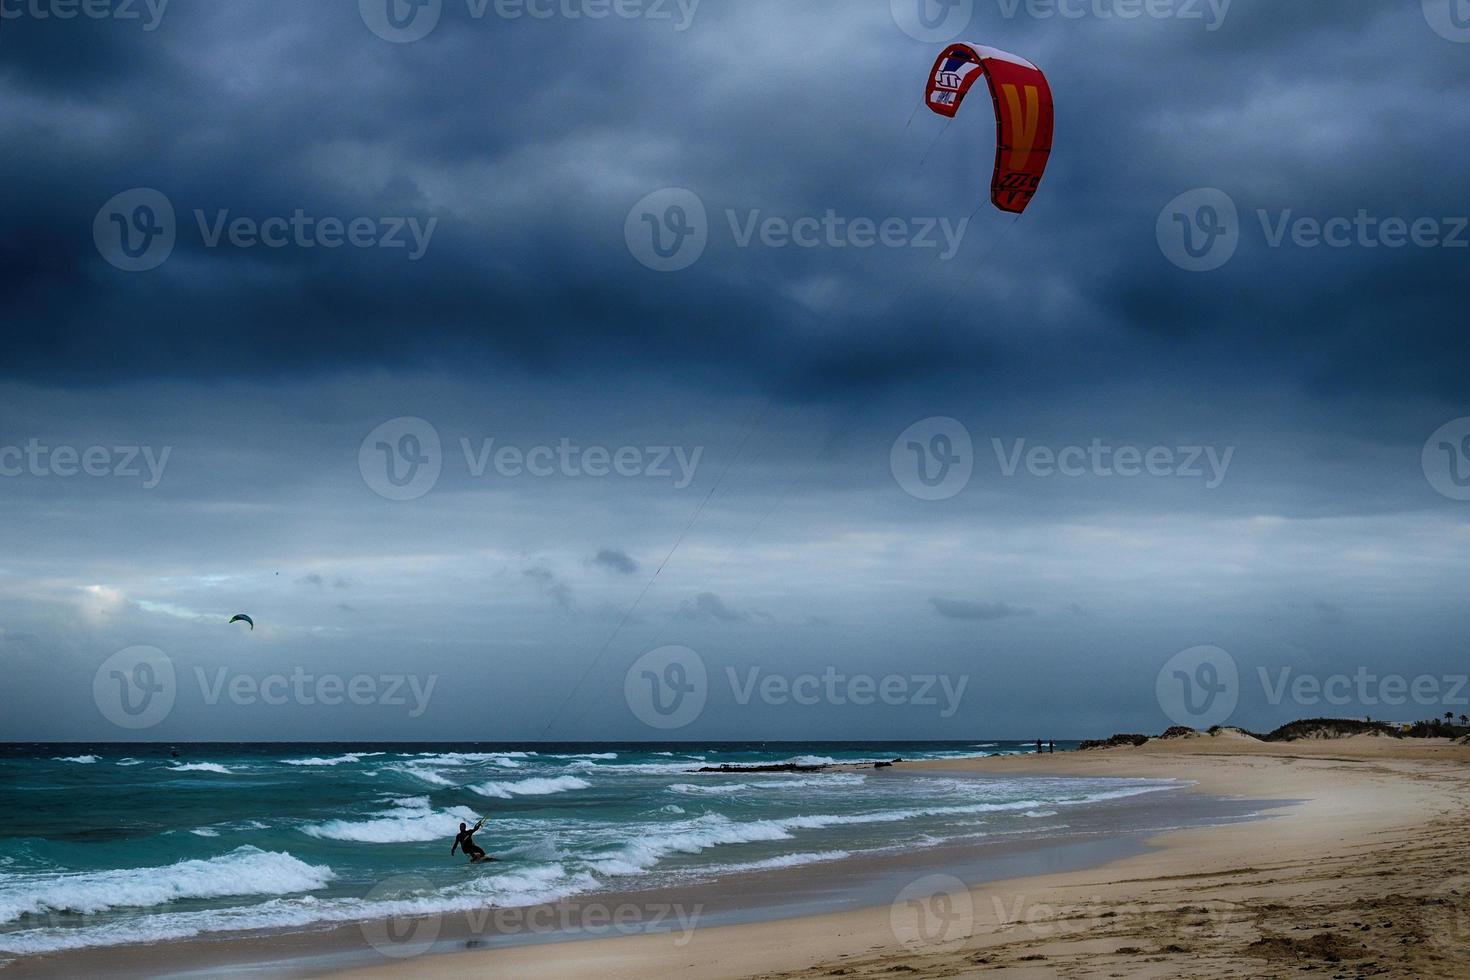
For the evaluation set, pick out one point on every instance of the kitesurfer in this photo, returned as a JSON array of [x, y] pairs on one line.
[[465, 841]]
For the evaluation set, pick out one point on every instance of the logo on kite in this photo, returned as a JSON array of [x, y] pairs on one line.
[[242, 618], [1024, 116]]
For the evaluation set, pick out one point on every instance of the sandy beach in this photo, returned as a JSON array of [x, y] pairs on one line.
[[1361, 871]]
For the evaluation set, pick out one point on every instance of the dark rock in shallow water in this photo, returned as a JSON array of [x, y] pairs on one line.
[[772, 767], [793, 766]]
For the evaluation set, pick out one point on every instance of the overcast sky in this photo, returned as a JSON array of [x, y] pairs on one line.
[[1284, 400]]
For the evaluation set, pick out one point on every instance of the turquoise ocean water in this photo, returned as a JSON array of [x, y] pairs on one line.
[[109, 844]]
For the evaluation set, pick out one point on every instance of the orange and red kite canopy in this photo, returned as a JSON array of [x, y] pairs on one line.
[[1023, 114]]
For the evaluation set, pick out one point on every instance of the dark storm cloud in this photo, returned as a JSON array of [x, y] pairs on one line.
[[256, 110], [616, 560], [527, 321], [982, 611]]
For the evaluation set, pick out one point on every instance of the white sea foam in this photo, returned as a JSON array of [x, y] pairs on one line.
[[130, 762], [504, 759], [410, 819], [781, 861], [245, 871], [333, 761], [82, 759], [650, 846], [727, 789], [530, 885], [712, 789], [534, 786], [424, 774], [199, 767]]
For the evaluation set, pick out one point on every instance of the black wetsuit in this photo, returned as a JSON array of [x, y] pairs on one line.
[[465, 841]]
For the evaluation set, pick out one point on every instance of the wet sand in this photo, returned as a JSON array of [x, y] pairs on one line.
[[1367, 873], [1359, 866]]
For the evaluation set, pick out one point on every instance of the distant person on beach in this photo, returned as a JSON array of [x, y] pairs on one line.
[[1051, 747], [1038, 746], [465, 841]]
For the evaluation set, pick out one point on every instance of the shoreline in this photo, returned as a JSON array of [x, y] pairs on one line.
[[1079, 836], [1246, 893], [1361, 870]]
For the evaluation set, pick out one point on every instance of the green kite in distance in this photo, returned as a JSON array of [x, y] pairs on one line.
[[242, 618]]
